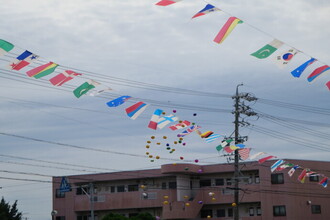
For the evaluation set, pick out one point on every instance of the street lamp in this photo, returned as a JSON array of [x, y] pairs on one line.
[[53, 213]]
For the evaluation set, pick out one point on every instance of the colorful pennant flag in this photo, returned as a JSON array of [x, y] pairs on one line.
[[302, 176], [262, 160], [244, 153], [154, 119], [324, 182], [118, 101], [207, 9], [42, 70], [256, 155], [212, 138], [5, 47], [98, 92], [85, 87], [180, 125], [189, 130], [227, 29], [300, 69], [275, 165], [283, 59], [219, 148], [165, 120], [206, 134], [284, 166], [317, 72], [328, 84], [226, 142], [135, 110], [230, 149], [167, 2], [64, 77], [240, 145], [292, 170], [268, 49], [23, 60]]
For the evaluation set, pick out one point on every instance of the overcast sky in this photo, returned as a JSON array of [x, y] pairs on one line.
[[139, 41]]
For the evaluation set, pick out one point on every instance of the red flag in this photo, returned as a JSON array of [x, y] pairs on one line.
[[265, 158], [244, 153]]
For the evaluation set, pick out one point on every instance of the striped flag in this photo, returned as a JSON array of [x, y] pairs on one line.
[[212, 138], [189, 130], [85, 87], [284, 166], [328, 84], [135, 110], [244, 153], [324, 182], [42, 70], [165, 120], [5, 47], [300, 69], [227, 29], [208, 9], [206, 134], [262, 160], [302, 176], [276, 164], [23, 60], [226, 142], [256, 155], [64, 77], [154, 119], [317, 72], [292, 170], [166, 2], [180, 125]]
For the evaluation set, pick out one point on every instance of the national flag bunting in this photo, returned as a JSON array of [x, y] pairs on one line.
[[212, 138], [180, 125], [275, 165], [302, 176], [328, 84], [118, 101], [23, 60], [207, 9], [5, 47], [262, 160], [268, 49], [189, 130], [166, 2], [165, 120], [206, 134], [154, 119], [85, 87], [324, 182], [284, 58], [317, 72], [230, 149], [227, 29], [98, 92], [256, 155], [284, 166], [226, 142], [292, 170], [135, 110], [244, 153], [300, 69], [64, 77], [42, 70]]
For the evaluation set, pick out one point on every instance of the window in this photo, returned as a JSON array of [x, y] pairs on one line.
[[112, 189], [251, 211], [221, 213], [132, 188], [219, 182], [60, 217], [81, 190], [203, 183], [206, 212], [172, 185], [316, 209], [230, 212], [82, 217], [258, 211], [257, 179], [164, 185], [121, 188], [59, 194], [228, 182], [314, 178], [279, 210], [277, 178]]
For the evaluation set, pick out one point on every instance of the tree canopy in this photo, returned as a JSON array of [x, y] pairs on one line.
[[8, 212]]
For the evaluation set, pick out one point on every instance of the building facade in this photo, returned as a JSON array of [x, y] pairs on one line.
[[192, 191]]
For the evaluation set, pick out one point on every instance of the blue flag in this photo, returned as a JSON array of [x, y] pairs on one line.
[[299, 70], [118, 101]]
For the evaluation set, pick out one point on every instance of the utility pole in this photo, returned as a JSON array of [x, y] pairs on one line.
[[91, 189], [240, 108]]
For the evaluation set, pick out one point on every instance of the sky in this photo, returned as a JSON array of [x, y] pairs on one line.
[[161, 56]]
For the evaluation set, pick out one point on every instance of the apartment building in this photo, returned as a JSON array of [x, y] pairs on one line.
[[193, 191]]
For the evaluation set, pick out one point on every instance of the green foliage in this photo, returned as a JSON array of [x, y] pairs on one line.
[[140, 216], [8, 212]]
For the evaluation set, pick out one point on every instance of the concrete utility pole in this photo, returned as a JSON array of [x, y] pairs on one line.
[[240, 108], [91, 189]]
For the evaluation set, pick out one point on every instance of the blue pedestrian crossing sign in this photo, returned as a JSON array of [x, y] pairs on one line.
[[65, 186]]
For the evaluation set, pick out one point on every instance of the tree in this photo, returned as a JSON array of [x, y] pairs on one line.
[[8, 212], [140, 216]]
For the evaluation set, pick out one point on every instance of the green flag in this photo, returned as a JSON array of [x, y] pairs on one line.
[[84, 88], [268, 49], [5, 47], [219, 148]]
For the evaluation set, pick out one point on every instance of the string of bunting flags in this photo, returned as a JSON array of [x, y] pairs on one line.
[[282, 59]]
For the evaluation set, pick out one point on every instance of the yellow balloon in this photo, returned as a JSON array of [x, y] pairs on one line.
[[157, 157], [147, 146], [150, 156], [164, 137], [165, 197], [152, 137], [233, 204], [158, 143], [186, 197], [208, 216], [148, 142], [147, 153], [165, 202], [187, 204], [142, 186], [213, 199]]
